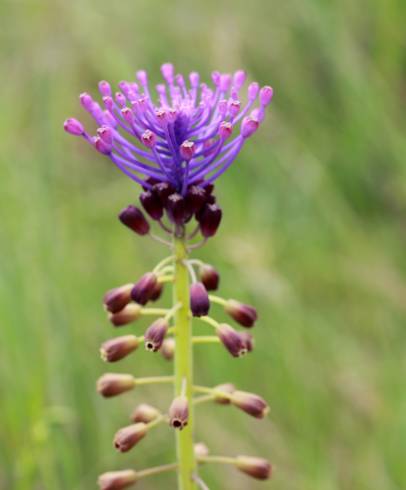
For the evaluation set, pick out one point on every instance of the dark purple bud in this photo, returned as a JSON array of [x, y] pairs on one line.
[[143, 289], [199, 299], [209, 220], [116, 299], [125, 316], [176, 208], [111, 384], [211, 199], [179, 413], [168, 349], [245, 315], [195, 198], [209, 277], [117, 480], [151, 181], [221, 393], [134, 219], [152, 204], [231, 340], [247, 340], [155, 334], [145, 413], [163, 190], [159, 286], [115, 349], [250, 403], [258, 468], [127, 437]]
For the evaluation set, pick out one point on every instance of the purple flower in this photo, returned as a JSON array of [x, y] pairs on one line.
[[184, 134]]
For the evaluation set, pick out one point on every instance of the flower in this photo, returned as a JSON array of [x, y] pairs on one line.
[[185, 134]]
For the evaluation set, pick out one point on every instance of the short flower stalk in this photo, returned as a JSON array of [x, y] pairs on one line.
[[175, 149]]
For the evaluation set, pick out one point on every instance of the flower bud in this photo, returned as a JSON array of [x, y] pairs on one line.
[[179, 413], [115, 349], [209, 277], [101, 146], [117, 480], [209, 220], [200, 450], [225, 130], [265, 95], [224, 388], [231, 340], [247, 340], [104, 88], [73, 126], [111, 384], [245, 315], [134, 219], [148, 138], [163, 190], [116, 299], [155, 334], [199, 299], [250, 403], [152, 204], [145, 413], [125, 316], [195, 198], [144, 288], [248, 127], [176, 208], [127, 437], [258, 468], [157, 292], [187, 150], [168, 348], [239, 79]]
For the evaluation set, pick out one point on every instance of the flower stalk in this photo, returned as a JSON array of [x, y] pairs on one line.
[[183, 365]]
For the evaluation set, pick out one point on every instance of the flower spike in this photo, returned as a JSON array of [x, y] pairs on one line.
[[175, 142]]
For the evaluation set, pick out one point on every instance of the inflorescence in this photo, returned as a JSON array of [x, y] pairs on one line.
[[175, 149]]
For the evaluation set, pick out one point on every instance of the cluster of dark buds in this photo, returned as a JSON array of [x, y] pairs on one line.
[[175, 150]]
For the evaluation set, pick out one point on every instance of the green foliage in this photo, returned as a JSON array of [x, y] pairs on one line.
[[313, 234]]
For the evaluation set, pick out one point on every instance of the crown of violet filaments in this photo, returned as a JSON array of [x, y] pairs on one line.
[[176, 143]]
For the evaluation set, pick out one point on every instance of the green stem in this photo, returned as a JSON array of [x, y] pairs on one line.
[[183, 366]]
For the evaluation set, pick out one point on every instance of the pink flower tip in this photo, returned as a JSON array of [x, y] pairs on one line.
[[142, 77], [148, 138], [168, 70], [253, 90], [248, 127], [239, 79], [104, 88], [86, 101], [194, 79], [225, 130], [102, 146], [265, 95], [73, 126], [187, 150]]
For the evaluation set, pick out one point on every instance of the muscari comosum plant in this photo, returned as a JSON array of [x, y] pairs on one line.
[[175, 145]]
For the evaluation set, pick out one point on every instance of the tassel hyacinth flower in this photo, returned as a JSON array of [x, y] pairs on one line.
[[175, 143]]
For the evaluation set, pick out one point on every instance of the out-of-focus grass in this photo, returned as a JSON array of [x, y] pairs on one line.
[[313, 234]]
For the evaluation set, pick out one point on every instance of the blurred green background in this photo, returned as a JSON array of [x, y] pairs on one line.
[[313, 235]]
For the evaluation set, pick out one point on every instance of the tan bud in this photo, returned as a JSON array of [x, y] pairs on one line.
[[127, 315], [116, 480], [224, 388], [116, 299], [111, 384], [250, 403], [200, 450], [145, 413], [115, 349], [258, 468], [179, 413], [168, 348], [127, 437]]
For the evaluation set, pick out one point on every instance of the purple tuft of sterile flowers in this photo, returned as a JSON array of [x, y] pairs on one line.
[[185, 134]]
